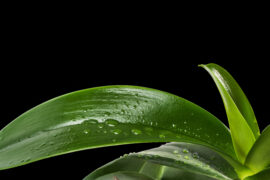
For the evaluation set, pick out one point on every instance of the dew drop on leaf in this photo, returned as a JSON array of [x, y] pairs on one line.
[[86, 131], [162, 135], [186, 157], [185, 151], [122, 111], [92, 121], [136, 131], [195, 155], [179, 155], [100, 126], [111, 122], [116, 131]]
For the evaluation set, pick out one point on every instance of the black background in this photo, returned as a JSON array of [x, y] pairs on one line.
[[44, 57]]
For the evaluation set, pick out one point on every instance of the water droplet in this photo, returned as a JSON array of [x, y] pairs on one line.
[[185, 151], [125, 155], [86, 131], [185, 122], [179, 155], [173, 125], [175, 151], [107, 113], [195, 155], [100, 126], [162, 136], [122, 111], [92, 121], [116, 131], [113, 140], [186, 157], [217, 134], [104, 131], [136, 131], [111, 122], [140, 155]]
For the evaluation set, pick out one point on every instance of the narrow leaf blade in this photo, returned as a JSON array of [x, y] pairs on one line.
[[258, 158], [106, 116], [242, 121]]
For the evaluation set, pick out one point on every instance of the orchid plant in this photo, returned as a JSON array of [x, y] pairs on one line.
[[197, 144]]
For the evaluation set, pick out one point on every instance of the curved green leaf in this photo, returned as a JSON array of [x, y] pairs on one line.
[[106, 116], [263, 175], [174, 160], [258, 158], [242, 121], [119, 168], [125, 175]]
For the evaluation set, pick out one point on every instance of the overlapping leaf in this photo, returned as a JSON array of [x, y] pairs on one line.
[[263, 175], [170, 161], [259, 156]]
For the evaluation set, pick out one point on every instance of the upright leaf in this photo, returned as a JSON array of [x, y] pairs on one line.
[[259, 156], [242, 121], [106, 116], [171, 161]]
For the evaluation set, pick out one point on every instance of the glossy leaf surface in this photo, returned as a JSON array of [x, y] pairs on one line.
[[106, 116], [242, 121], [263, 175], [259, 156], [171, 161]]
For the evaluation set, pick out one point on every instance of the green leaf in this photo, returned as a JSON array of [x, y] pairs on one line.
[[106, 116], [172, 161], [258, 158], [120, 169], [263, 175], [123, 175], [242, 121]]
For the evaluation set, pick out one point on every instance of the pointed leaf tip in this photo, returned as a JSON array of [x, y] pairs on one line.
[[242, 121]]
